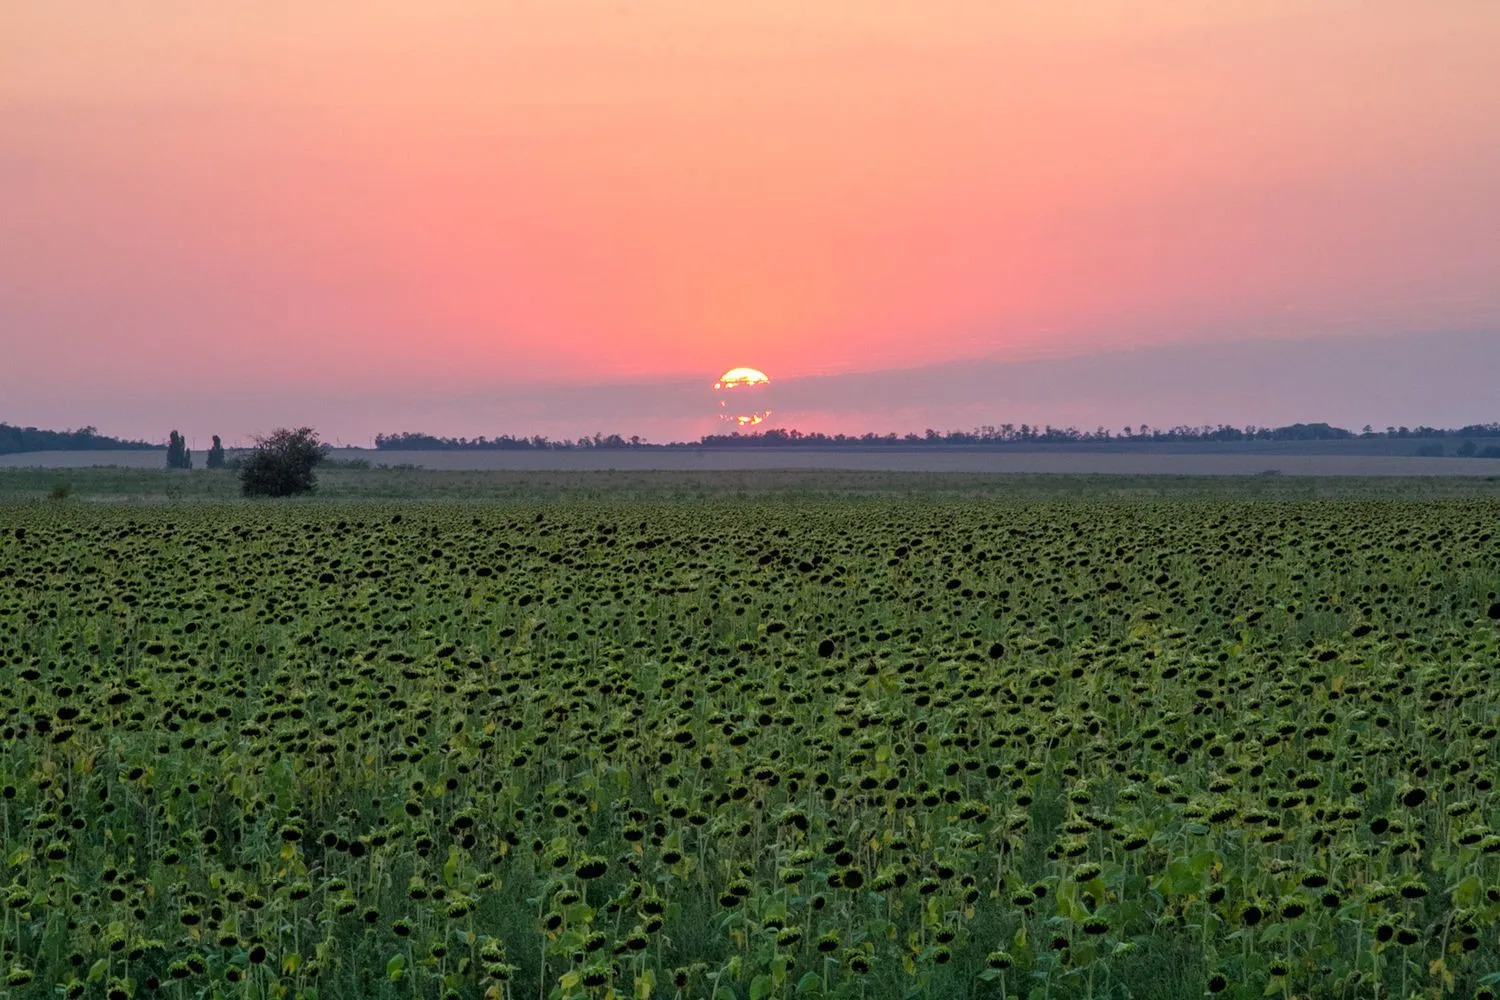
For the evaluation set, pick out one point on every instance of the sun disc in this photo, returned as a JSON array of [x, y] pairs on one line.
[[741, 377], [749, 387]]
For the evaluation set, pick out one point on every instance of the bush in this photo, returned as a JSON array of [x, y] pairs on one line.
[[282, 464], [61, 491]]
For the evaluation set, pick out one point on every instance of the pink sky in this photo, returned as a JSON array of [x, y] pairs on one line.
[[455, 197]]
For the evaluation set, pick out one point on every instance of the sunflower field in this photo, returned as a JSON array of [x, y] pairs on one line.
[[867, 749]]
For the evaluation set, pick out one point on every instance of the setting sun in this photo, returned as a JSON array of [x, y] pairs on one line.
[[750, 386], [740, 377]]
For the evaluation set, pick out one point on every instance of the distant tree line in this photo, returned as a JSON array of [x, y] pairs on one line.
[[505, 442], [14, 440], [986, 435], [25, 439]]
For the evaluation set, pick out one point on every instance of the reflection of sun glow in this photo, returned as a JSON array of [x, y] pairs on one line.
[[750, 384]]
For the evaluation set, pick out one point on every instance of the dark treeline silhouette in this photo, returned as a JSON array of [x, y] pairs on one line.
[[428, 442], [25, 439], [1003, 434], [19, 439]]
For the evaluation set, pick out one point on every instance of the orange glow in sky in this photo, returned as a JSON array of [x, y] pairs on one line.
[[490, 192]]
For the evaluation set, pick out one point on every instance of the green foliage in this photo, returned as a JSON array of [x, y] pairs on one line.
[[60, 491], [216, 454], [282, 464], [824, 749], [178, 455]]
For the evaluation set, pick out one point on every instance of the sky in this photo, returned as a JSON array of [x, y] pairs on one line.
[[564, 216]]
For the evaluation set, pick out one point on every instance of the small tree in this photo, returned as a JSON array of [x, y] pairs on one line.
[[178, 456], [216, 454], [282, 464]]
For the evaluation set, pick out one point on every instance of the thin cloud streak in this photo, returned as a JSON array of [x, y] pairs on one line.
[[1439, 379]]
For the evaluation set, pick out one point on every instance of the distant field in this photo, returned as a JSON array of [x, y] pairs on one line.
[[153, 486], [1164, 460]]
